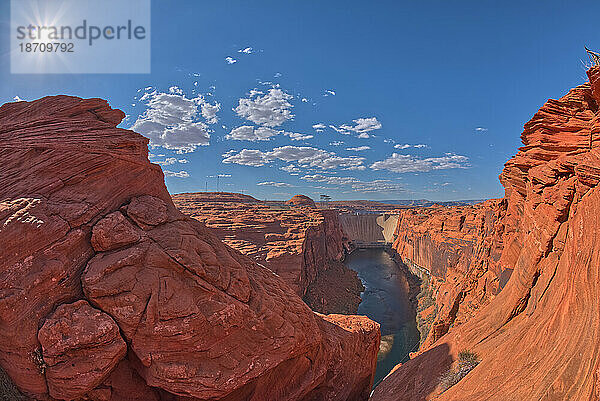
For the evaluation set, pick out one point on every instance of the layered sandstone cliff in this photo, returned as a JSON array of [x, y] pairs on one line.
[[539, 337], [457, 251], [301, 244], [108, 292]]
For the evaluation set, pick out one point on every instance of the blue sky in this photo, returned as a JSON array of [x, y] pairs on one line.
[[457, 79]]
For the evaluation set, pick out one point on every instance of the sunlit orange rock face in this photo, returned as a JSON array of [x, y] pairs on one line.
[[539, 337], [108, 292], [293, 239]]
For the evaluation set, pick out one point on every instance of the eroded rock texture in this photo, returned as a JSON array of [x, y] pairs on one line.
[[108, 292], [539, 338], [80, 346]]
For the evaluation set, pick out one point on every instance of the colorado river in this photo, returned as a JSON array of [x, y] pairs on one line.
[[386, 300]]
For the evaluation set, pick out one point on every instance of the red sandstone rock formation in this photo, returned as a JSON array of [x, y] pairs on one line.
[[539, 338], [304, 246], [108, 292], [301, 200]]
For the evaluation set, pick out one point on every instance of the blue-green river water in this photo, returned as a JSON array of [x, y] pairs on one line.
[[386, 300]]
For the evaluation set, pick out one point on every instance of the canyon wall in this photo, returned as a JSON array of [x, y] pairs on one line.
[[108, 292], [301, 244], [538, 334], [459, 250]]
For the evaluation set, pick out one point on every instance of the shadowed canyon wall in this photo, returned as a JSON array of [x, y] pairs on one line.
[[518, 278], [108, 292]]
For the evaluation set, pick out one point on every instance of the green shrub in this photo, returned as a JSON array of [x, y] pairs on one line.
[[425, 300], [467, 361]]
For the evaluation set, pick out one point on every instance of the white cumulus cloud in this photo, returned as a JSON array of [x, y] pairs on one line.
[[304, 156], [320, 127], [399, 163], [361, 127], [171, 121], [230, 60], [271, 109]]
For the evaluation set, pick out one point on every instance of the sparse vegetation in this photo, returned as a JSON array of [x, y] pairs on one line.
[[424, 301], [8, 390], [466, 362]]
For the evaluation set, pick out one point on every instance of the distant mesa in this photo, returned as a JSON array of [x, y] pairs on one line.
[[301, 200], [218, 197]]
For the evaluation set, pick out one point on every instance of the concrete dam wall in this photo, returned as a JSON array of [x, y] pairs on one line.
[[369, 229]]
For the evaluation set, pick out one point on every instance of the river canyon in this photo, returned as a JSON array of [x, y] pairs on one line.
[[114, 289]]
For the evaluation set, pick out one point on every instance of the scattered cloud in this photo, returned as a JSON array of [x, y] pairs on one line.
[[171, 120], [406, 146], [355, 184], [247, 157], [178, 174], [250, 133], [304, 156], [339, 130], [275, 184], [219, 175], [247, 50], [18, 99], [291, 169], [329, 92], [480, 130], [295, 136], [336, 143], [359, 148], [320, 127], [270, 110], [313, 157], [170, 161], [399, 163], [230, 60], [209, 111], [361, 126]]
